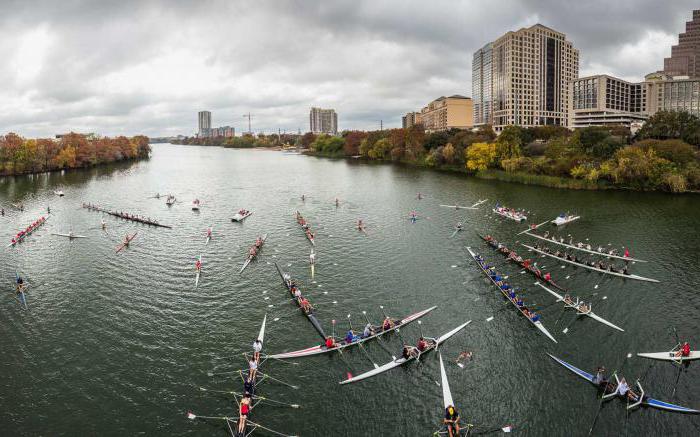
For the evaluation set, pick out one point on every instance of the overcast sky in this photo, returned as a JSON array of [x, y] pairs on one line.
[[129, 67]]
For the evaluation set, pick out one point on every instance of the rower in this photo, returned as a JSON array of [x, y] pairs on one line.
[[684, 351], [625, 391], [330, 343], [452, 421], [464, 356], [350, 337], [368, 331], [257, 347], [243, 414], [198, 265], [388, 323], [296, 292], [599, 377], [303, 198], [409, 351], [306, 305], [337, 202], [20, 285], [249, 386], [252, 369], [422, 344]]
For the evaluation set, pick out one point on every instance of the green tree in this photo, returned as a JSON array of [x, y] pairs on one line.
[[666, 125]]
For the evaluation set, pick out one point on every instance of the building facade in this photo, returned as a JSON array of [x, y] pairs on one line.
[[204, 118], [223, 131], [685, 56], [445, 113], [669, 93], [604, 100], [323, 121], [481, 85], [530, 75], [410, 119]]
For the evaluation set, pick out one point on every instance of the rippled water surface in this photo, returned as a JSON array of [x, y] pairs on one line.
[[119, 344]]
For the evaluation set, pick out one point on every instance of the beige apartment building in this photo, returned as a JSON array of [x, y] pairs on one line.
[[530, 74], [445, 113]]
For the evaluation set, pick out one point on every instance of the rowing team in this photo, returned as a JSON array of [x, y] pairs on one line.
[[301, 221], [296, 293], [595, 264], [422, 345], [622, 389], [587, 246], [128, 216], [509, 290], [21, 234], [246, 403], [255, 247], [510, 211], [369, 331], [525, 263]]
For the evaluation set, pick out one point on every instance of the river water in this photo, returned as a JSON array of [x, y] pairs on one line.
[[119, 344]]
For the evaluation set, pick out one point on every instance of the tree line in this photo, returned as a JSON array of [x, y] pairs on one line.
[[664, 155], [20, 155]]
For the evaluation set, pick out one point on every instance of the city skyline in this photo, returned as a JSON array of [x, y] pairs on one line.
[[146, 67]]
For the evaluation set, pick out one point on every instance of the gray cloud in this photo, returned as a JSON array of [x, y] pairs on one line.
[[148, 66]]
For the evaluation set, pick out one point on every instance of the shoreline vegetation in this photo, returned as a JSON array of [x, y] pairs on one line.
[[663, 155], [20, 156]]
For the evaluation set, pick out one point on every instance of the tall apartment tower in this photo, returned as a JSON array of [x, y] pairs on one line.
[[685, 56], [204, 123], [323, 121], [530, 75], [481, 85]]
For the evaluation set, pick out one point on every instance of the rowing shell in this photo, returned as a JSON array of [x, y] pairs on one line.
[[251, 258], [126, 243], [670, 356], [238, 217], [401, 361], [321, 349], [71, 236], [479, 203], [458, 207], [446, 393], [583, 249], [510, 215], [608, 272], [560, 221], [312, 318], [651, 402], [590, 314], [22, 297], [199, 271], [537, 324], [211, 229]]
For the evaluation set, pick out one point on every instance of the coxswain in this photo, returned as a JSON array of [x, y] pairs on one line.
[[387, 323], [452, 421], [684, 351], [257, 348], [243, 414], [252, 369]]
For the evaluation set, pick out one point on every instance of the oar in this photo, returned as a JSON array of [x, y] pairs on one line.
[[602, 398], [278, 381], [270, 430], [376, 366], [532, 229]]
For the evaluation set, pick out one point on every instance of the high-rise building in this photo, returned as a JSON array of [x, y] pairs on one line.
[[323, 121], [604, 100], [530, 75], [410, 119], [204, 123], [446, 113], [481, 85], [685, 56]]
